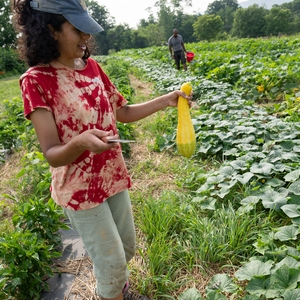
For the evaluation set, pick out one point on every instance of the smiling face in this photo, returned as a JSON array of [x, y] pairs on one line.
[[71, 44]]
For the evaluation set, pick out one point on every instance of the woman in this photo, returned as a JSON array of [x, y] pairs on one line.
[[74, 107]]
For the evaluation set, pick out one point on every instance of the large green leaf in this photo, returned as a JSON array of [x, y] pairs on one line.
[[214, 295], [287, 233], [247, 147], [221, 283], [254, 268], [262, 286], [273, 200], [251, 297], [238, 164], [292, 176], [292, 295], [190, 294], [250, 200], [227, 171], [291, 210], [274, 182], [244, 178], [291, 262], [296, 149], [287, 145], [248, 204], [280, 167], [285, 279], [244, 129], [215, 179], [290, 156], [295, 187], [275, 155], [205, 203], [263, 168]]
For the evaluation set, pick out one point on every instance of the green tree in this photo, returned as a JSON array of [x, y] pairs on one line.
[[8, 35], [278, 20], [101, 16], [119, 38], [225, 9], [227, 16], [214, 7], [294, 7], [187, 29], [153, 34], [146, 22], [138, 40], [249, 22], [208, 27]]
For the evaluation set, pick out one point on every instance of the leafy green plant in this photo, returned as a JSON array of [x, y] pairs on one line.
[[26, 261], [35, 175], [257, 152], [10, 62], [12, 124], [42, 217]]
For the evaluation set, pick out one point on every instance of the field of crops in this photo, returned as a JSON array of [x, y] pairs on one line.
[[247, 125], [230, 228]]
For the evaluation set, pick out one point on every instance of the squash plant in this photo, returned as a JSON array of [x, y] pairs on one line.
[[258, 152]]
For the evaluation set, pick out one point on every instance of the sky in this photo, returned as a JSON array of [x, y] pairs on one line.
[[132, 11]]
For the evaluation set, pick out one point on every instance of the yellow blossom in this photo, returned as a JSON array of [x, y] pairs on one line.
[[260, 88]]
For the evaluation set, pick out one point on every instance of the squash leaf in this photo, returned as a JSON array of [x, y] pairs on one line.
[[190, 294], [287, 233], [221, 283], [273, 200], [295, 187], [253, 268], [263, 168], [292, 295], [291, 210]]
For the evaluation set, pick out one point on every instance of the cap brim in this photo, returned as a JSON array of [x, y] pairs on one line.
[[84, 22]]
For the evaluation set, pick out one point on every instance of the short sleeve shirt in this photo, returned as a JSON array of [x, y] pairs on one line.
[[79, 100], [175, 42]]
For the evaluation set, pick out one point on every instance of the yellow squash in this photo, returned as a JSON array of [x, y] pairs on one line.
[[185, 138]]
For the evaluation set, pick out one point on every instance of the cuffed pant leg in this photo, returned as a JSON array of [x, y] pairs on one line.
[[103, 230]]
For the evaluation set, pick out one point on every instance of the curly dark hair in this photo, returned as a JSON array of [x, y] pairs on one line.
[[36, 43]]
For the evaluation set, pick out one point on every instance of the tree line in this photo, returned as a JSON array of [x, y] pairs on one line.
[[223, 19]]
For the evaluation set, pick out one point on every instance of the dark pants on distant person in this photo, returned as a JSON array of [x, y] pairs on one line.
[[179, 57]]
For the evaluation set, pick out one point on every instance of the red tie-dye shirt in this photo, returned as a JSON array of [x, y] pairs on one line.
[[79, 100]]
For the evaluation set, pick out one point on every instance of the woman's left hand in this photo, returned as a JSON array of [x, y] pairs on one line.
[[173, 98]]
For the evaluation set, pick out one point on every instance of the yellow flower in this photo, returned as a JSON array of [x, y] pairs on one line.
[[260, 88]]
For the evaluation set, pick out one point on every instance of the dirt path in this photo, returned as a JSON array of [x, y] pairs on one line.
[[152, 176]]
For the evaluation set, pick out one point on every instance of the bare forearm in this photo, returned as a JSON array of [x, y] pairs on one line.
[[62, 155], [135, 112]]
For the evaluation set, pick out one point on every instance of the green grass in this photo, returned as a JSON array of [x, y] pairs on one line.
[[9, 88]]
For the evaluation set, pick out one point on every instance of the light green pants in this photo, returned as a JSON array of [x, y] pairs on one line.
[[108, 234]]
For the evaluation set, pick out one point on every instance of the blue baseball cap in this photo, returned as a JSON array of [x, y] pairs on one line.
[[75, 11]]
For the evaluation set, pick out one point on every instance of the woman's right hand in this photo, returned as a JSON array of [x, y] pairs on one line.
[[96, 141], [58, 154]]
